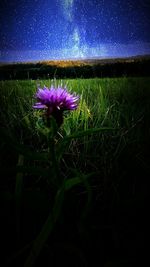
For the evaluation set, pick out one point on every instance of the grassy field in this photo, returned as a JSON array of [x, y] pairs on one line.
[[79, 195]]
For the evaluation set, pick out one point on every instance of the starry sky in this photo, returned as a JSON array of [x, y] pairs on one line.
[[71, 29]]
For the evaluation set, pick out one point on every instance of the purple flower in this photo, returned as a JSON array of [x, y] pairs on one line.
[[55, 101]]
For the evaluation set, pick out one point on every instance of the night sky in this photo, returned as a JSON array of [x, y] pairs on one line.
[[66, 29]]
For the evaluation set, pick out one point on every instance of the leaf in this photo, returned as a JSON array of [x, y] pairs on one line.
[[72, 182], [88, 132], [81, 178], [64, 143]]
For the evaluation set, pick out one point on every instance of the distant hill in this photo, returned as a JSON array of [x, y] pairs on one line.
[[80, 68], [81, 61]]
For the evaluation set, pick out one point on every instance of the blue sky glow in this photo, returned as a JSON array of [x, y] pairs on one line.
[[72, 29]]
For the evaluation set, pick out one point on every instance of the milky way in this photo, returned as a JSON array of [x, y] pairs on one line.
[[61, 29]]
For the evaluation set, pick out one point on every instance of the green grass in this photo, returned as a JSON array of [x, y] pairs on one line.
[[99, 155], [121, 104]]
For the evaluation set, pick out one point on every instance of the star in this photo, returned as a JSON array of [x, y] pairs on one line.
[[59, 29]]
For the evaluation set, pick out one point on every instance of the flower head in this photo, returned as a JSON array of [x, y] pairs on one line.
[[55, 101]]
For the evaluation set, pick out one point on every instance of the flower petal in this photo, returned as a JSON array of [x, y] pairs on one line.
[[39, 106]]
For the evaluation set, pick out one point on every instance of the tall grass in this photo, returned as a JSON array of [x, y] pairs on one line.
[[98, 149], [121, 104]]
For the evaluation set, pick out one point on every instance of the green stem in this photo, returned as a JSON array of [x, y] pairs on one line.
[[18, 195], [46, 230], [53, 161]]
